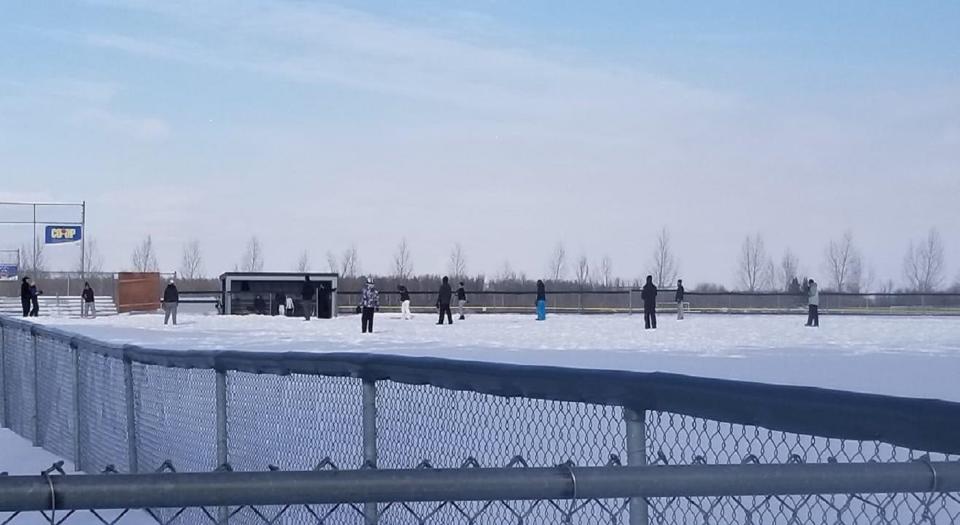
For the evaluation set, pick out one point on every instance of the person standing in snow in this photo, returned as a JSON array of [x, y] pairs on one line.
[[170, 301], [813, 304], [307, 294], [259, 305], [35, 294], [461, 301], [288, 303], [369, 303], [87, 302], [25, 296], [679, 299], [649, 296], [281, 302], [404, 302], [443, 300], [541, 301]]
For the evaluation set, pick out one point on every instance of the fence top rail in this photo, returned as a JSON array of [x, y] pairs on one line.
[[919, 424], [33, 493]]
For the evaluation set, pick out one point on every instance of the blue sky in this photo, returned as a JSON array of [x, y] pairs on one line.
[[505, 126]]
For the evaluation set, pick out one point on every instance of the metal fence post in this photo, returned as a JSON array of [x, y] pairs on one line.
[[636, 456], [76, 408], [222, 455], [132, 454], [36, 389], [370, 510], [3, 375]]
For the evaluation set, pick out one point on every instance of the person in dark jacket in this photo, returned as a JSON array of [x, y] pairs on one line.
[[541, 301], [461, 301], [404, 302], [443, 301], [369, 303], [281, 300], [25, 296], [35, 294], [259, 305], [679, 299], [171, 300], [307, 293], [649, 296], [87, 302]]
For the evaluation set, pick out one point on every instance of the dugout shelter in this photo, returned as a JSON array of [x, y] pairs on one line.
[[242, 289]]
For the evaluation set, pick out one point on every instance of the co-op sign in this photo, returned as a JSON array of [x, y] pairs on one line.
[[63, 234]]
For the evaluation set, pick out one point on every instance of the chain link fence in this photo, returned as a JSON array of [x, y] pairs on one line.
[[132, 410]]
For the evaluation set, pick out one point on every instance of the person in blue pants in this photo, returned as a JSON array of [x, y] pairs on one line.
[[541, 301]]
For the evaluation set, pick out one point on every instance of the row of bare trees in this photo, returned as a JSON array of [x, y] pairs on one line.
[[843, 264]]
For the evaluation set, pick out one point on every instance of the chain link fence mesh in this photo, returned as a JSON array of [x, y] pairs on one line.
[[19, 374], [301, 422], [56, 387], [103, 417]]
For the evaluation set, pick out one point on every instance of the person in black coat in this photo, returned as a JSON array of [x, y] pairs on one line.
[[171, 301], [35, 294], [87, 302], [307, 293], [679, 299], [443, 301], [649, 296], [541, 301], [259, 305], [25, 296], [461, 301]]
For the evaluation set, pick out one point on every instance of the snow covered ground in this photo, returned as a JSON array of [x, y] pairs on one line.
[[19, 458], [906, 356]]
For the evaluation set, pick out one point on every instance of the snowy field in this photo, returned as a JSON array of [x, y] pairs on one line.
[[905, 356]]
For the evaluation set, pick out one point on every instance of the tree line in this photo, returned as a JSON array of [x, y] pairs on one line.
[[842, 266]]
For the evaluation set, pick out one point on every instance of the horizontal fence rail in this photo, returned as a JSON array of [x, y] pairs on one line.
[[128, 409], [213, 489]]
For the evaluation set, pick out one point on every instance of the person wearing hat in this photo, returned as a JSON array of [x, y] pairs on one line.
[[170, 301], [369, 303]]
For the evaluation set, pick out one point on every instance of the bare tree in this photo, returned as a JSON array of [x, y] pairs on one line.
[[789, 265], [350, 262], [506, 273], [582, 272], [91, 261], [605, 272], [755, 269], [252, 260], [332, 263], [33, 259], [144, 258], [664, 267], [558, 261], [843, 263], [191, 263], [402, 265], [923, 264], [457, 267], [303, 262]]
